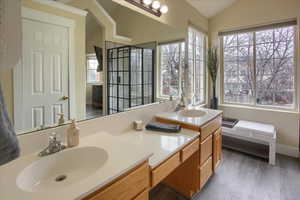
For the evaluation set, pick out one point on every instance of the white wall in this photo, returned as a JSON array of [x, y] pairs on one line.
[[94, 37]]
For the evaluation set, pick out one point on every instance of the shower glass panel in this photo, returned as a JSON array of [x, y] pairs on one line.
[[130, 77]]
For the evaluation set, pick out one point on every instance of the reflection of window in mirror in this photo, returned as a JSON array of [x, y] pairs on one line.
[[93, 76], [171, 60]]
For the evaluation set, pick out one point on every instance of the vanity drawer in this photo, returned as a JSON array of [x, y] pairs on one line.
[[206, 149], [163, 170], [127, 188], [143, 196], [205, 172], [189, 150], [210, 127]]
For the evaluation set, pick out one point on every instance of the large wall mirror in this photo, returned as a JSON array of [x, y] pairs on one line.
[[84, 67]]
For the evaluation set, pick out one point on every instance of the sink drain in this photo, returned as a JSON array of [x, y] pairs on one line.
[[60, 178]]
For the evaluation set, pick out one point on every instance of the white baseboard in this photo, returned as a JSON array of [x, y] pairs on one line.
[[287, 150]]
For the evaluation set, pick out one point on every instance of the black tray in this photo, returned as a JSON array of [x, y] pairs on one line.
[[229, 122]]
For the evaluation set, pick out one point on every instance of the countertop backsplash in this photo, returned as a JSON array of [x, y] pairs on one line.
[[114, 124]]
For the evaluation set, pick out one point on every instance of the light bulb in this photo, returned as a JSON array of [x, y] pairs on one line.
[[164, 9], [147, 2], [156, 4]]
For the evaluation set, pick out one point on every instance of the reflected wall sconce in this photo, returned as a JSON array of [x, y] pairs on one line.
[[153, 7]]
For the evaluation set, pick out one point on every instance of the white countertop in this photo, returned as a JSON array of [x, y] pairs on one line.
[[121, 158], [125, 151], [162, 145], [193, 121]]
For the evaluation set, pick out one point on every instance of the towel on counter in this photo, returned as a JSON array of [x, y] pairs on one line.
[[168, 128], [9, 145]]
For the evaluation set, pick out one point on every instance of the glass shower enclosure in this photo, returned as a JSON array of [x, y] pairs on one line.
[[130, 79]]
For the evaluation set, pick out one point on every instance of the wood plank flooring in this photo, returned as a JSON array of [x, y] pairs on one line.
[[243, 177]]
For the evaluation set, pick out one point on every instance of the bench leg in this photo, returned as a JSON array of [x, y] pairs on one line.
[[272, 153]]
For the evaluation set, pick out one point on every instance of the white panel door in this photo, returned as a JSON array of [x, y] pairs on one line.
[[44, 74]]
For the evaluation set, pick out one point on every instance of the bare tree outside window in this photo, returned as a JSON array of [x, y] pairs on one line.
[[171, 63], [259, 67]]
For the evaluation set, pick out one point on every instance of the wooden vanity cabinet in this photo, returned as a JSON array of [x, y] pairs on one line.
[[132, 186], [217, 148], [206, 149], [163, 170], [197, 164], [143, 196], [210, 149], [206, 171], [189, 150], [210, 127], [185, 178]]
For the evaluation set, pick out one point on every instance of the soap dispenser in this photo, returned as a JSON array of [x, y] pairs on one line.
[[61, 119], [73, 135]]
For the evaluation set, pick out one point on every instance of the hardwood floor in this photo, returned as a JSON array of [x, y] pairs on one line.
[[242, 177]]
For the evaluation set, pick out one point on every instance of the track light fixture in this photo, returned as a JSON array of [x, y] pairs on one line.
[[156, 5], [147, 2], [153, 7]]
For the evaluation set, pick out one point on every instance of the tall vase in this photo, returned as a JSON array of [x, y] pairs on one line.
[[214, 100]]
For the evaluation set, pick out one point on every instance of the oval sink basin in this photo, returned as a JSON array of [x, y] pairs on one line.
[[61, 169], [192, 113]]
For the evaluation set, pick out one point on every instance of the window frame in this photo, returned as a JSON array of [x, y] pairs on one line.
[[253, 103], [159, 77], [205, 75], [88, 56]]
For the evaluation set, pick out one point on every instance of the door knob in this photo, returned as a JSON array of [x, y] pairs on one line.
[[65, 98]]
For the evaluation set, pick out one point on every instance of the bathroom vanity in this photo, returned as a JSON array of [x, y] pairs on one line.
[[186, 167], [119, 162], [201, 158]]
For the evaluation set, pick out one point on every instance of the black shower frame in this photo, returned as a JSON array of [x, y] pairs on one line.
[[108, 59]]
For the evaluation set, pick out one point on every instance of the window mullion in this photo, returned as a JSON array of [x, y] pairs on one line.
[[179, 71], [296, 59], [273, 63], [254, 70], [194, 80], [194, 67], [238, 60]]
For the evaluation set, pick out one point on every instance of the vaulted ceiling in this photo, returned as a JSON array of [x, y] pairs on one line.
[[207, 8], [210, 8]]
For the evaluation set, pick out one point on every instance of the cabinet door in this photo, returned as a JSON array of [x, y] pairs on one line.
[[217, 148], [206, 171]]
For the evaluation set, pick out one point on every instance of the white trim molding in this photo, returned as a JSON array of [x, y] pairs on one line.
[[62, 6], [115, 35], [29, 13], [287, 150]]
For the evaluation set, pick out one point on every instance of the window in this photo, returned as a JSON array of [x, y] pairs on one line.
[[93, 76], [172, 59], [196, 60], [259, 67], [171, 66]]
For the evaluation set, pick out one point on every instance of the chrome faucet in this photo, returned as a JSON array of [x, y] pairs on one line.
[[54, 146], [181, 104]]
